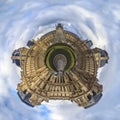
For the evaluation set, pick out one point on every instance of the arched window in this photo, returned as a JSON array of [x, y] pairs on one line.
[[89, 43], [103, 53], [103, 62], [25, 98], [30, 43], [16, 53], [17, 62], [89, 97], [94, 100]]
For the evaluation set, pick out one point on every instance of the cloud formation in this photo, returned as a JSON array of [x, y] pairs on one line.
[[95, 20]]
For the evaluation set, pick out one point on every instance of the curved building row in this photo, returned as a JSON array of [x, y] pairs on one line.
[[60, 66]]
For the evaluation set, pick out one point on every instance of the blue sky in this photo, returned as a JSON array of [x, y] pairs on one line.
[[21, 20]]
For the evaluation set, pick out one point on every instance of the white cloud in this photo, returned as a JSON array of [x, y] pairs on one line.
[[96, 20], [30, 5]]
